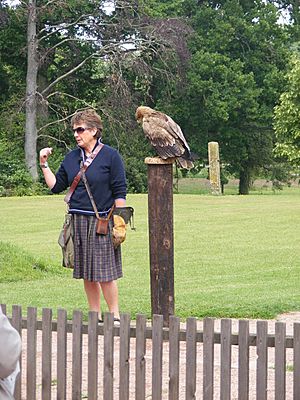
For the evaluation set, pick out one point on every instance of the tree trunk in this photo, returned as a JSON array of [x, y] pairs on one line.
[[42, 104], [245, 180], [31, 92]]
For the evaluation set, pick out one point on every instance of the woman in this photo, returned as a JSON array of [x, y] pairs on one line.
[[96, 260]]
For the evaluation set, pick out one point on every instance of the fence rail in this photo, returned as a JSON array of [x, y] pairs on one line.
[[74, 359]]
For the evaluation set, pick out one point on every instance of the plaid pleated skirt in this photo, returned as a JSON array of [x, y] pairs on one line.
[[95, 258]]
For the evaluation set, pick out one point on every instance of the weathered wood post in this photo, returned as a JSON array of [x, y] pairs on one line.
[[161, 242], [214, 168]]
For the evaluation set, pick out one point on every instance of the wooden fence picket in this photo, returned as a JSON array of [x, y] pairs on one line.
[[174, 357], [140, 353], [191, 358], [157, 346], [225, 386], [280, 360], [93, 356], [17, 324], [108, 366], [61, 354], [124, 357], [243, 361], [31, 352], [46, 353], [77, 355], [208, 359], [262, 360]]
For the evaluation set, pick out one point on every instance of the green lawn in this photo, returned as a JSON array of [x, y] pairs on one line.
[[235, 256]]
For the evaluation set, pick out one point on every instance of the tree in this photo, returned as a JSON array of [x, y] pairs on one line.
[[291, 10], [286, 116], [31, 90], [234, 80], [97, 38], [109, 57]]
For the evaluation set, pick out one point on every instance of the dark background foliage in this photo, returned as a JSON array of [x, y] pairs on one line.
[[217, 67]]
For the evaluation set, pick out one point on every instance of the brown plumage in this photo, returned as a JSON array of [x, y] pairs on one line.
[[165, 136]]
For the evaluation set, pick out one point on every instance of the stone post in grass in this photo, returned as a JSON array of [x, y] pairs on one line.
[[161, 243], [214, 168]]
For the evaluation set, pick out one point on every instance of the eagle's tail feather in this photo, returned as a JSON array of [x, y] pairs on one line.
[[184, 163]]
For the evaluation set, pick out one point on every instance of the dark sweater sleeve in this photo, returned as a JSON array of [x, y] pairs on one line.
[[61, 180], [117, 177]]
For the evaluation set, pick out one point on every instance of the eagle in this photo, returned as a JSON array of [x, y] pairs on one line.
[[165, 136]]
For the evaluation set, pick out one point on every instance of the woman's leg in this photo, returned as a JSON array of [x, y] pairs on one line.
[[110, 293], [92, 290]]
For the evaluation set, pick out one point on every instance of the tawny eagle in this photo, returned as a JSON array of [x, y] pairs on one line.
[[165, 136]]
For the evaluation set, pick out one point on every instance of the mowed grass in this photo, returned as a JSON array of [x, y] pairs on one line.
[[235, 256]]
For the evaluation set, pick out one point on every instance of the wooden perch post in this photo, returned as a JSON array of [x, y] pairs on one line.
[[161, 242]]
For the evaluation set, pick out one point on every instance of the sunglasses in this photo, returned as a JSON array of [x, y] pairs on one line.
[[80, 129]]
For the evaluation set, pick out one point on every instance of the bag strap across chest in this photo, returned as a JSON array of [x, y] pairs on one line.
[[89, 192], [85, 166]]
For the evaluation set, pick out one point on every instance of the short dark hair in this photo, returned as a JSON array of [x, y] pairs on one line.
[[91, 118]]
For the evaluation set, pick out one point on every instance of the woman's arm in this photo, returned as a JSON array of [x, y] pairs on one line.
[[49, 176], [118, 180]]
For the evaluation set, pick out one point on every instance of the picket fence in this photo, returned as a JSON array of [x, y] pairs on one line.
[[142, 359]]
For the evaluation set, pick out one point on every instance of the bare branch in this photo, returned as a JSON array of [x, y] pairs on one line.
[[63, 94], [112, 49], [47, 4], [56, 46], [60, 43], [71, 71], [24, 3], [55, 139], [62, 26], [53, 123]]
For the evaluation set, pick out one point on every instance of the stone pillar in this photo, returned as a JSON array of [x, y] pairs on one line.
[[214, 168]]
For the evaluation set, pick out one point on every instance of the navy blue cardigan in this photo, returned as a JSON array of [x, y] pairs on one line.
[[106, 177]]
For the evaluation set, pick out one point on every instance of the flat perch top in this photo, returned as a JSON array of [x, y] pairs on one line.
[[158, 160]]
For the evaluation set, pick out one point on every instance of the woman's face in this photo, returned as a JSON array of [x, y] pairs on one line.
[[84, 136]]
